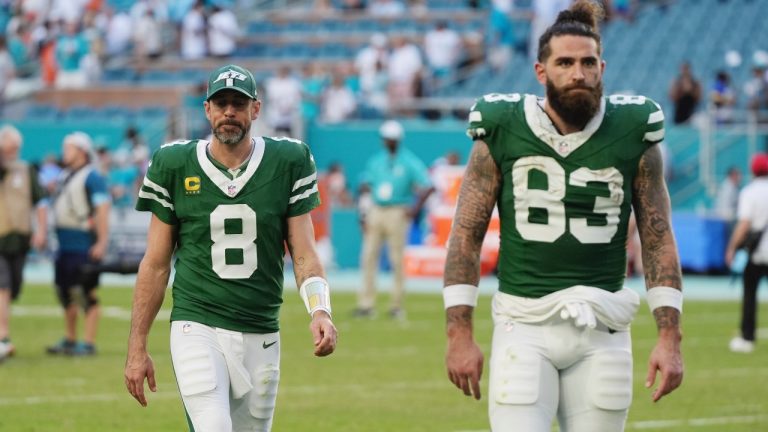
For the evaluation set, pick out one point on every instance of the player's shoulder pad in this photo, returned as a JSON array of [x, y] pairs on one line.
[[291, 149], [488, 110], [642, 112], [174, 154]]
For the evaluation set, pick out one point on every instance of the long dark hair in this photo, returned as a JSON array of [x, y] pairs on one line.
[[580, 20]]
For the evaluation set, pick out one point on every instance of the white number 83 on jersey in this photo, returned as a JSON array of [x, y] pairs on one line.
[[551, 199], [244, 241]]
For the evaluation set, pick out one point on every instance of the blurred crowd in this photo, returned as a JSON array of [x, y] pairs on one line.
[[123, 168], [721, 96], [66, 42]]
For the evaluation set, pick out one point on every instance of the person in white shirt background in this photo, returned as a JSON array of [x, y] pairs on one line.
[[752, 220]]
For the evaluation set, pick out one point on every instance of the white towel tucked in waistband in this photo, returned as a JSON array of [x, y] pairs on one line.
[[615, 310], [232, 346]]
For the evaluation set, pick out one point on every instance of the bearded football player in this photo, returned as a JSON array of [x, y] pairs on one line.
[[565, 172]]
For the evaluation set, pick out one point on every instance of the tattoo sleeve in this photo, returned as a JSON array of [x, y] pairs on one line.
[[477, 197], [301, 245], [652, 210]]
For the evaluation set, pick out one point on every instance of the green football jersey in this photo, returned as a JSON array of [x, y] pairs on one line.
[[565, 201], [229, 256]]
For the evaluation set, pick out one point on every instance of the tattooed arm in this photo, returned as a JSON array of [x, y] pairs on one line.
[[306, 264], [301, 245], [478, 195], [662, 268]]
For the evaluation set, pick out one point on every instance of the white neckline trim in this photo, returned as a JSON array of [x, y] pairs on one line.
[[544, 129], [230, 187]]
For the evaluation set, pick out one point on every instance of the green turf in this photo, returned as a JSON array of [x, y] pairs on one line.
[[385, 376]]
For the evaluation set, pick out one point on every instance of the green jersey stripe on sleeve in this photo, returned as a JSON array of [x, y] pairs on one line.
[[306, 194], [152, 196], [304, 181]]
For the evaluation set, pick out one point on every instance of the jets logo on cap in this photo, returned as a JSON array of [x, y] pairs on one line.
[[230, 76]]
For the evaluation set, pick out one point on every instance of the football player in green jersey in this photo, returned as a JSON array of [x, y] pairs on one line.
[[565, 172], [226, 208]]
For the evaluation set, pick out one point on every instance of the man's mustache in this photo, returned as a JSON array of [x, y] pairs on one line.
[[230, 123]]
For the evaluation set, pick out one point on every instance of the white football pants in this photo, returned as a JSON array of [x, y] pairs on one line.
[[539, 371], [227, 380]]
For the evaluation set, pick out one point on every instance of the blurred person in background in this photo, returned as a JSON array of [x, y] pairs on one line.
[[194, 36], [81, 214], [21, 198], [756, 91], [228, 282], [722, 98], [443, 50], [404, 70], [313, 81], [750, 234], [337, 186], [501, 34], [137, 149], [50, 170], [147, 39], [337, 102], [727, 199], [223, 32], [371, 67], [399, 184], [685, 93], [7, 71], [71, 49], [555, 166], [118, 33], [283, 101], [123, 179]]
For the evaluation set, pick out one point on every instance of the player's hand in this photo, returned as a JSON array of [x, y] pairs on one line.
[[323, 333], [729, 255], [464, 361], [139, 366], [98, 250], [39, 241], [667, 359]]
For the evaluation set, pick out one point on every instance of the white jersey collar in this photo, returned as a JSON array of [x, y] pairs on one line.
[[545, 130], [231, 187]]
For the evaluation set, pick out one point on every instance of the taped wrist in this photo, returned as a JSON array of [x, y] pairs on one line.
[[665, 296], [460, 294], [316, 295]]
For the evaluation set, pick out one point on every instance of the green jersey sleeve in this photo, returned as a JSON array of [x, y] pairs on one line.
[[304, 193], [487, 114], [157, 190], [655, 124]]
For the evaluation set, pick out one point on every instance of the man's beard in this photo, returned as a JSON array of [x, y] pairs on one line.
[[230, 138], [575, 108]]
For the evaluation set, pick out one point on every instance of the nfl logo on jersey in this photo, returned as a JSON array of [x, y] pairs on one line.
[[231, 189]]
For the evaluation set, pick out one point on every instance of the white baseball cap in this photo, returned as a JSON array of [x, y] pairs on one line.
[[391, 130], [80, 140]]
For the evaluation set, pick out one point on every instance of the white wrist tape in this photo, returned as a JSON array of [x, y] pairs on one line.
[[458, 295], [665, 296], [316, 295]]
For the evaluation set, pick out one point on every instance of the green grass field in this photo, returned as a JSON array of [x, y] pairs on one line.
[[385, 375]]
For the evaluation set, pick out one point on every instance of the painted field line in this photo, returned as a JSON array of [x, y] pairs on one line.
[[113, 312], [698, 422], [85, 398], [291, 390], [666, 424]]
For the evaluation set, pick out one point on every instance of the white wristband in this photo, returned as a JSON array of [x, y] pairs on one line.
[[460, 295], [665, 296], [316, 295]]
